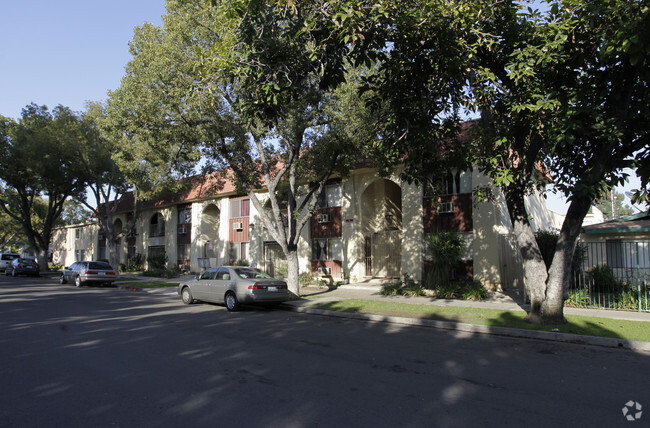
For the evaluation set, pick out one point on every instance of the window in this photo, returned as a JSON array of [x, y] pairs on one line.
[[131, 251], [239, 208], [615, 257], [331, 196], [157, 225], [157, 252], [208, 274], [183, 252], [326, 249], [455, 182], [77, 234], [238, 250], [184, 214], [222, 274]]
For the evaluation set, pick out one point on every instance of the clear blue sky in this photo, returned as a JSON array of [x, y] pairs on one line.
[[66, 52]]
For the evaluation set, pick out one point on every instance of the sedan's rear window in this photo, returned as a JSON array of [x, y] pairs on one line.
[[251, 273], [9, 256], [99, 265]]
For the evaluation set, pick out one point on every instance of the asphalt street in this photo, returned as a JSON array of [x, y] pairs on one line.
[[108, 357]]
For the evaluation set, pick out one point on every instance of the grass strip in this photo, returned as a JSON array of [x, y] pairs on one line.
[[577, 324], [147, 284]]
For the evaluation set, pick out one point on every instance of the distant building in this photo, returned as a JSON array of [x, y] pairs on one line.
[[623, 244]]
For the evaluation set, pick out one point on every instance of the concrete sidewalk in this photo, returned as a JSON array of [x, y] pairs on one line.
[[499, 301]]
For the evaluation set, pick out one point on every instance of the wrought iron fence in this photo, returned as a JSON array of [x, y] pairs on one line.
[[613, 274]]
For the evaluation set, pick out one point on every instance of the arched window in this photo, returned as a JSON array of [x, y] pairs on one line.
[[157, 225]]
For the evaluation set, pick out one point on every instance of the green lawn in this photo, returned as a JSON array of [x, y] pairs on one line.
[[147, 284], [590, 326]]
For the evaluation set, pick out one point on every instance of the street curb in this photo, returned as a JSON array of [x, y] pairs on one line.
[[606, 342]]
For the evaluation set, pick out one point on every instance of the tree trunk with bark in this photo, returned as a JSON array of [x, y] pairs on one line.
[[560, 270], [293, 273], [535, 274]]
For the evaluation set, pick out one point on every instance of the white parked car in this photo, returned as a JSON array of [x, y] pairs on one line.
[[234, 285], [5, 260]]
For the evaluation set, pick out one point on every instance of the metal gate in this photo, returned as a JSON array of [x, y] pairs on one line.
[[386, 250]]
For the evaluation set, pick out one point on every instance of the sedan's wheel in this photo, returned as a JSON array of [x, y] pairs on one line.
[[186, 296], [232, 304], [62, 279], [77, 281]]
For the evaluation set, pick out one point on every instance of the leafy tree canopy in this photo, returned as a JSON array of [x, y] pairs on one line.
[[621, 209], [564, 91], [38, 171], [245, 88]]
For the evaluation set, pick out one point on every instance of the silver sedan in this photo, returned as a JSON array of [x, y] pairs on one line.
[[234, 285]]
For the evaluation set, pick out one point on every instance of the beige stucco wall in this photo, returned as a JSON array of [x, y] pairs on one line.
[[490, 245], [65, 244], [367, 198], [412, 231], [489, 225]]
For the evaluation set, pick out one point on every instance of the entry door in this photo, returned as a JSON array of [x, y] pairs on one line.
[[273, 258], [386, 253]]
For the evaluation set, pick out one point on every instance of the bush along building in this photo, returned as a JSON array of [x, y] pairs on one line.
[[365, 227]]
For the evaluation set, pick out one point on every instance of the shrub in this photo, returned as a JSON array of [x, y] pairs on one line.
[[628, 299], [449, 290], [446, 249], [579, 298], [472, 290], [305, 278], [161, 273], [135, 264], [394, 289], [604, 280], [414, 290], [157, 262], [322, 283]]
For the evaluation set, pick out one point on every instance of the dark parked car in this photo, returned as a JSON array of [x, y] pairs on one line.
[[23, 266], [85, 272], [234, 285]]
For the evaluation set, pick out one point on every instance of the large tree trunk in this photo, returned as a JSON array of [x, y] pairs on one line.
[[560, 270], [293, 272], [43, 260], [535, 274]]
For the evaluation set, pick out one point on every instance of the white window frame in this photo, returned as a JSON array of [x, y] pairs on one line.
[[236, 208], [333, 249], [331, 197]]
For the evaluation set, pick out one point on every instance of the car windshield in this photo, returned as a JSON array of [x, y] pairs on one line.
[[99, 265], [251, 273], [26, 261]]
